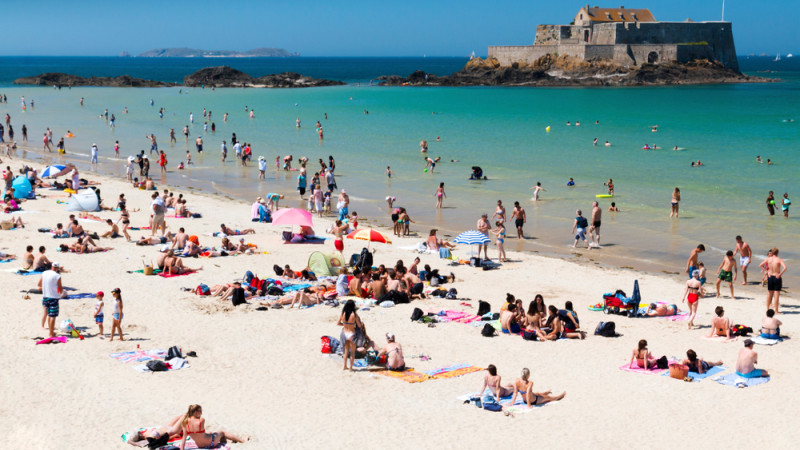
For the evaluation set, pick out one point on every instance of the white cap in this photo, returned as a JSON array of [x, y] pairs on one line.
[[164, 248], [55, 264], [390, 336], [344, 192]]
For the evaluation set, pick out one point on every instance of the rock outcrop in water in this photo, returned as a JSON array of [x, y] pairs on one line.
[[65, 79], [224, 76], [553, 70]]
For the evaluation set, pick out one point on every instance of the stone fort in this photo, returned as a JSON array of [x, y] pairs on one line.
[[628, 37]]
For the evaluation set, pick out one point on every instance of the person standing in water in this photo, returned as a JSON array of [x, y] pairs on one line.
[[440, 194], [518, 215], [771, 203], [536, 189], [786, 203], [676, 197]]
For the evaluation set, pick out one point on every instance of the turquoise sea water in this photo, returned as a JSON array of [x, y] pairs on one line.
[[499, 129]]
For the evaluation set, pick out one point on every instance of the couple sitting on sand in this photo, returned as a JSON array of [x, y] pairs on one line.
[[722, 326], [522, 386]]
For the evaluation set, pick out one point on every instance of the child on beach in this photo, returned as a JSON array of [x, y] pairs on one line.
[[701, 268], [98, 313], [117, 324], [724, 270]]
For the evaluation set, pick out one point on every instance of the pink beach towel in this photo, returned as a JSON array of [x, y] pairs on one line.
[[53, 340], [722, 339], [637, 369], [170, 275]]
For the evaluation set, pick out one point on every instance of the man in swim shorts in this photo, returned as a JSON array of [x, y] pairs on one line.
[[744, 251], [691, 263], [746, 362], [595, 228], [50, 284], [508, 322], [727, 268], [775, 270], [579, 229], [519, 219], [484, 227]]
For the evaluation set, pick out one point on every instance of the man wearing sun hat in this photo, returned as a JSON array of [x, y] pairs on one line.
[[394, 354]]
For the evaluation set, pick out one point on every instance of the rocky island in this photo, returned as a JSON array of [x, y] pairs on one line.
[[65, 79], [222, 76], [604, 47]]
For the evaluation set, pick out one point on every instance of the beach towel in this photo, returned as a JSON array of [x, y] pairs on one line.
[[722, 339], [308, 240], [680, 317], [765, 341], [732, 379], [408, 375], [519, 407], [637, 369], [155, 271], [28, 272], [139, 355], [190, 444], [175, 364], [76, 296], [456, 316], [6, 260], [170, 275], [295, 287], [452, 371], [710, 373], [53, 340]]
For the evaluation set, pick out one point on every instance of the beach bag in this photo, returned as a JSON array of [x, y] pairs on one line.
[[173, 352], [203, 289], [278, 270], [740, 330], [326, 344], [237, 298], [364, 260], [452, 294], [495, 407], [483, 307], [606, 329], [274, 290], [474, 261], [678, 371], [488, 330], [662, 363], [157, 366], [439, 293], [416, 314], [444, 253]]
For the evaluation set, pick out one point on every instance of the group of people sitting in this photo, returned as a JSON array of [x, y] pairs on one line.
[[745, 361], [540, 322], [409, 282], [722, 326]]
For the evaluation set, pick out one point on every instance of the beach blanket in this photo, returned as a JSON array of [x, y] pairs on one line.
[[190, 444], [452, 371], [295, 287], [408, 375], [139, 355], [637, 369], [732, 379], [175, 364], [765, 341], [138, 228], [170, 275], [456, 316], [722, 339], [28, 272], [680, 317], [308, 240], [519, 407], [699, 377], [6, 260], [155, 271], [53, 340], [76, 296]]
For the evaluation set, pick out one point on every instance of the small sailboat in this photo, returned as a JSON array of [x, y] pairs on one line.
[[778, 58], [789, 55]]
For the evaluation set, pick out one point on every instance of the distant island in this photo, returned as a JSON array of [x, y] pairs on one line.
[[184, 52]]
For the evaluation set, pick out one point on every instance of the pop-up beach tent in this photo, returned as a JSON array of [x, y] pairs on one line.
[[84, 200], [325, 264]]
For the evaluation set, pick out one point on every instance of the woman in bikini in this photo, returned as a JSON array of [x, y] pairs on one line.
[[349, 320], [125, 218], [439, 195], [642, 356], [492, 381], [698, 365], [500, 232], [694, 289], [524, 387], [500, 213], [338, 229], [533, 320], [676, 197], [193, 426]]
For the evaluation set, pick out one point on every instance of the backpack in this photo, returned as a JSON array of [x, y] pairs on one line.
[[364, 260], [606, 329], [173, 352], [439, 293], [238, 297], [157, 366], [492, 406], [202, 289], [416, 314], [452, 294], [582, 222], [278, 270], [488, 330], [740, 330], [483, 307], [662, 363], [274, 290]]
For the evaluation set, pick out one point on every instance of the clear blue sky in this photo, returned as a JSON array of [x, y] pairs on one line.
[[346, 28]]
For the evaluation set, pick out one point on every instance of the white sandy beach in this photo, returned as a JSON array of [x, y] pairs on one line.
[[261, 373]]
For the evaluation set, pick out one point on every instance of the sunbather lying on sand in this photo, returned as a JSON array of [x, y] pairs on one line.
[[305, 297], [174, 265], [231, 232], [155, 240], [661, 309]]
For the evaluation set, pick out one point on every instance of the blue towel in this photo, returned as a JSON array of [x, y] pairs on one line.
[[731, 379], [28, 272], [295, 287], [697, 377], [83, 295]]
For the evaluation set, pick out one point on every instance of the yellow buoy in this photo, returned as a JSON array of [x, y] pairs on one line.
[[547, 129]]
